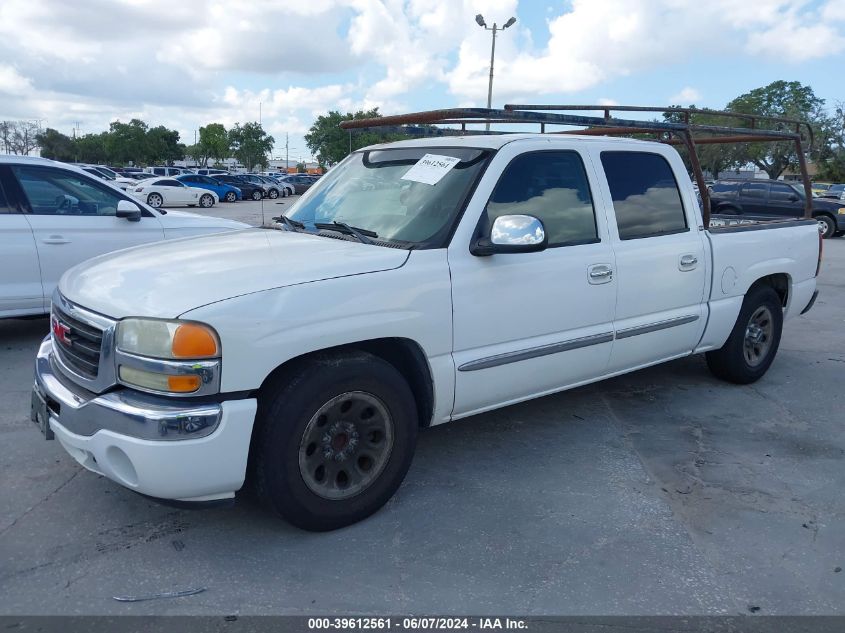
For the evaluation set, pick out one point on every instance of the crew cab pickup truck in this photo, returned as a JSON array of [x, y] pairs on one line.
[[54, 216], [416, 283]]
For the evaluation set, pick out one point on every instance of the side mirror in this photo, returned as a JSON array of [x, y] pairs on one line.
[[512, 234], [793, 197], [128, 210]]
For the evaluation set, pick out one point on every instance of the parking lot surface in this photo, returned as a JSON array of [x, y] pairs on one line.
[[663, 491], [249, 211]]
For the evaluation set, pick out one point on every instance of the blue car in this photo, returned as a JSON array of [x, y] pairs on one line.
[[224, 191]]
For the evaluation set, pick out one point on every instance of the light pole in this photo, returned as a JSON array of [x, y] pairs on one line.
[[479, 19]]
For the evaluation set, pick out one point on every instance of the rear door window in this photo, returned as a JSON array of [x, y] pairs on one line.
[[645, 194], [758, 190]]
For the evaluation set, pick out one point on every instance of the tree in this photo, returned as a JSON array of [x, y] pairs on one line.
[[250, 144], [213, 143], [19, 137], [127, 142], [781, 99], [330, 144], [832, 166], [714, 158], [56, 145], [301, 168], [163, 146], [91, 148]]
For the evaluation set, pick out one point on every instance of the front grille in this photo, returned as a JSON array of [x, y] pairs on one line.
[[78, 343]]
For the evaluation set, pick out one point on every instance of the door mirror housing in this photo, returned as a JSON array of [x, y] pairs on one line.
[[128, 210], [793, 197], [512, 234]]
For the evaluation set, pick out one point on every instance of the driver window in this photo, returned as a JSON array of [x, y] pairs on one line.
[[553, 187], [57, 192]]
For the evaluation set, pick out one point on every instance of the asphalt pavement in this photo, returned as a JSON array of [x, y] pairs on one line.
[[664, 491]]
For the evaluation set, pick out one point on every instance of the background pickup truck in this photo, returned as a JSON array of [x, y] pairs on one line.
[[775, 199], [416, 283]]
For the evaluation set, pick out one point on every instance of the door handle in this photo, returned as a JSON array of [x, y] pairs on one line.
[[55, 239], [600, 274], [688, 262]]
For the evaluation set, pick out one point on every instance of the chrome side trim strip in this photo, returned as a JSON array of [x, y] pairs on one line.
[[536, 352], [654, 327]]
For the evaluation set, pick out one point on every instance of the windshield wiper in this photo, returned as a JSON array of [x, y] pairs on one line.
[[292, 225], [363, 235]]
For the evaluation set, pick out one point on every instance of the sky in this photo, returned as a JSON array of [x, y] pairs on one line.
[[186, 63]]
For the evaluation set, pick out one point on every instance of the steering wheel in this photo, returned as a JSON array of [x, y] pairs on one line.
[[67, 205]]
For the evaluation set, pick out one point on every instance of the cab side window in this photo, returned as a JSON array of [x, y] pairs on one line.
[[645, 195], [4, 202], [552, 186], [57, 192]]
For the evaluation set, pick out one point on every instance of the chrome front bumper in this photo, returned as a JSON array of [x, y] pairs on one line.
[[124, 411], [164, 448]]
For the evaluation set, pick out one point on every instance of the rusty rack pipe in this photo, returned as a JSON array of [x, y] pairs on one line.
[[610, 126]]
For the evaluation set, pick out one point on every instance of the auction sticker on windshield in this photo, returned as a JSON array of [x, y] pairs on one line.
[[431, 168]]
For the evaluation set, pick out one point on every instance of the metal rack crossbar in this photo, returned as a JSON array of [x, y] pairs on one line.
[[682, 133]]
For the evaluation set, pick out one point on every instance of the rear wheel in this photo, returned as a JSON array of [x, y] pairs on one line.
[[827, 225], [334, 440], [754, 340]]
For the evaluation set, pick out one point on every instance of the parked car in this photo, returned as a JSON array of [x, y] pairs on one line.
[[248, 189], [91, 169], [226, 192], [211, 172], [820, 187], [270, 187], [835, 191], [167, 171], [161, 192], [775, 198], [54, 216], [301, 183], [315, 354]]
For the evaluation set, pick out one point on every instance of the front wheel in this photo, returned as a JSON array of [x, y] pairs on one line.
[[155, 200], [273, 194], [206, 201], [754, 340], [827, 225], [256, 195], [334, 440], [230, 196]]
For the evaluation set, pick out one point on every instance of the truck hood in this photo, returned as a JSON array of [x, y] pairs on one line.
[[169, 278]]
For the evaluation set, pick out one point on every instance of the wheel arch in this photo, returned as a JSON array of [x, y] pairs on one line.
[[406, 355], [781, 283]]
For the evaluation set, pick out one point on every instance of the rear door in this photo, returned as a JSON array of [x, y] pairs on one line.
[[660, 258], [72, 217], [20, 275], [754, 198]]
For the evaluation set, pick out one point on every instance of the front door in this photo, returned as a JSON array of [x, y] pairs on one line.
[[533, 323], [73, 219]]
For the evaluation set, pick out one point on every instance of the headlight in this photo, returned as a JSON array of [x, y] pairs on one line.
[[167, 339], [179, 357], [841, 210]]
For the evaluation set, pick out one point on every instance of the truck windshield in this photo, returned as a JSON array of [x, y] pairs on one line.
[[410, 195]]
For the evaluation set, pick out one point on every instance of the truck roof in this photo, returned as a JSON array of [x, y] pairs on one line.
[[496, 141]]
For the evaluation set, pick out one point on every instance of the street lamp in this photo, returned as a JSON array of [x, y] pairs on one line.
[[479, 19]]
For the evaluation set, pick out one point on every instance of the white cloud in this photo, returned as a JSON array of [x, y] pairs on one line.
[[686, 96], [12, 82]]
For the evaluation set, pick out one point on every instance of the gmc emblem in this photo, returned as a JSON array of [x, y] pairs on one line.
[[60, 331]]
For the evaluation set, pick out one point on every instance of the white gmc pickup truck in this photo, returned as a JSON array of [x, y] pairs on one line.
[[417, 283]]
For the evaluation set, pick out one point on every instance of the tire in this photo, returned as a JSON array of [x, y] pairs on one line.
[[155, 200], [302, 428], [230, 196], [827, 225], [256, 195], [839, 234], [741, 360], [274, 193], [206, 201]]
